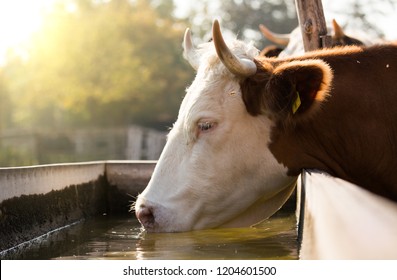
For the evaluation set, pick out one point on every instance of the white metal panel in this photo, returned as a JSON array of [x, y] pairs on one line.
[[344, 221]]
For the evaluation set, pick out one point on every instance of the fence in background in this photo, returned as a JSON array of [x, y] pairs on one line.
[[44, 146]]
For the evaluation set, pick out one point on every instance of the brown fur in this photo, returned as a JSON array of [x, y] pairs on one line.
[[271, 51], [352, 134]]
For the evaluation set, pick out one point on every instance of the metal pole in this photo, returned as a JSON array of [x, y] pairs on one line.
[[312, 24]]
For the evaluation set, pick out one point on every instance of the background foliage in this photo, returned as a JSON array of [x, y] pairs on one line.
[[110, 63]]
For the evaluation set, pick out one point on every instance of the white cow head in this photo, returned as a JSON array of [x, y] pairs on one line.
[[216, 169]]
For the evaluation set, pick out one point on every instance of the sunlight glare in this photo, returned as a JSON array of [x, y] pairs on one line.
[[18, 20]]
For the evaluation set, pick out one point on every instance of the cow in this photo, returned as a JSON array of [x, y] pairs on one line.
[[248, 125], [291, 44]]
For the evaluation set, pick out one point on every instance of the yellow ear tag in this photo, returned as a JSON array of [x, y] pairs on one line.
[[297, 103]]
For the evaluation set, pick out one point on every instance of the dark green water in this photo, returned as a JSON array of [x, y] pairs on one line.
[[121, 238]]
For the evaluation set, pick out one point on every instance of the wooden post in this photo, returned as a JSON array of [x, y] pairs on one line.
[[312, 24]]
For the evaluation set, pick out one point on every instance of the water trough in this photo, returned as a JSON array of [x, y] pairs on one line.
[[39, 199], [337, 220]]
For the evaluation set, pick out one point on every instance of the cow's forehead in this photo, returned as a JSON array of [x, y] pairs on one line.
[[209, 60], [212, 74], [205, 99], [212, 84]]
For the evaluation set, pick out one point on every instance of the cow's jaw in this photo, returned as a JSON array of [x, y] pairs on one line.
[[262, 208]]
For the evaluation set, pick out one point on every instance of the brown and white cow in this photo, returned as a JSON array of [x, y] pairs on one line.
[[248, 125]]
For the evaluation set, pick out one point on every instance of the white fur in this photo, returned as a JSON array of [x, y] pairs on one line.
[[226, 176]]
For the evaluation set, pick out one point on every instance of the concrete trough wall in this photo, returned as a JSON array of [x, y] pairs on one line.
[[15, 182], [36, 200], [339, 220]]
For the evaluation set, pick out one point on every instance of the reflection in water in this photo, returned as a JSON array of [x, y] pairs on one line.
[[272, 239], [121, 238]]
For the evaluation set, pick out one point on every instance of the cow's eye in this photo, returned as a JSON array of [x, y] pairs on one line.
[[205, 126]]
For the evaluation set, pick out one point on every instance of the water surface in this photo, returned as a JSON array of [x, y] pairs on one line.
[[121, 238]]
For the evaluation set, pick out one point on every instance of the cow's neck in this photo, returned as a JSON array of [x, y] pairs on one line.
[[354, 135], [333, 150]]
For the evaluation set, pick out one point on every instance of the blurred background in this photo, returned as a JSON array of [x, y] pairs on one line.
[[103, 79]]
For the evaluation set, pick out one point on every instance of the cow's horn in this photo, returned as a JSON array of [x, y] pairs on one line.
[[338, 31], [281, 39], [239, 66], [189, 52]]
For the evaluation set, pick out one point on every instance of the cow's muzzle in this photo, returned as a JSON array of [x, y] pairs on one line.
[[145, 216]]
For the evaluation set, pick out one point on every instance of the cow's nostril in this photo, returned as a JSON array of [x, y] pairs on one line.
[[145, 216]]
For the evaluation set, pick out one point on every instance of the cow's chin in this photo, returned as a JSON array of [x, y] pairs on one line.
[[261, 209]]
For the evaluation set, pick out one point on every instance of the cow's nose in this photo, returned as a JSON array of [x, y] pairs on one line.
[[145, 216]]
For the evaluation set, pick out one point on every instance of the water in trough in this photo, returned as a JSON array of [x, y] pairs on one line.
[[108, 237]]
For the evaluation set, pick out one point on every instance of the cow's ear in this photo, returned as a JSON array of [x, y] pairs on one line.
[[297, 88]]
